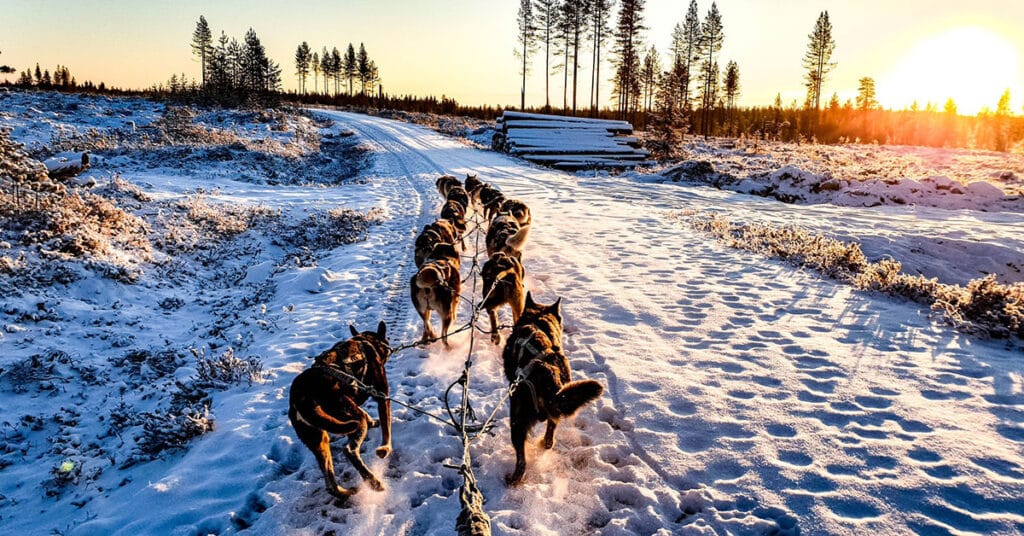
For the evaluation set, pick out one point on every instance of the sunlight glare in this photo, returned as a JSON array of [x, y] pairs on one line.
[[973, 65]]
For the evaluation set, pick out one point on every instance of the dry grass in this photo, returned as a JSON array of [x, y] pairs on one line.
[[984, 307]]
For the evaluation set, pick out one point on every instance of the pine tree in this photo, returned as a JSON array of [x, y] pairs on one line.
[[545, 21], [685, 48], [668, 122], [337, 65], [731, 85], [817, 59], [314, 62], [202, 42], [711, 37], [599, 27], [627, 43], [650, 74], [350, 66], [363, 67], [866, 94], [525, 38], [577, 16], [39, 76], [731, 88], [302, 60]]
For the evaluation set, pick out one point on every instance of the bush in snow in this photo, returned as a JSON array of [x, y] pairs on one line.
[[226, 369], [173, 429], [984, 306], [329, 229]]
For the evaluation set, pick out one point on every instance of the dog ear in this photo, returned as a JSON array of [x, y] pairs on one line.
[[530, 304], [352, 328], [382, 330], [557, 308]]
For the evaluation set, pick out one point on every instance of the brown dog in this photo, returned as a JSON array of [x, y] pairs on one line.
[[439, 232], [503, 284], [436, 287], [445, 183], [455, 212], [519, 210], [323, 399], [460, 196], [490, 199], [506, 235], [534, 353], [472, 184]]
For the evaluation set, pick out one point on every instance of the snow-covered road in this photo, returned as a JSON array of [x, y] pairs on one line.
[[743, 396], [741, 392]]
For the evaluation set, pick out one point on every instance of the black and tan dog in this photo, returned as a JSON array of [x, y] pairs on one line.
[[534, 353], [490, 200], [460, 196], [436, 287], [519, 210], [505, 234], [455, 212], [439, 232], [473, 185], [503, 284], [324, 400], [445, 183]]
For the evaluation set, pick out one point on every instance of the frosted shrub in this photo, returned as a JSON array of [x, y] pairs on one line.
[[171, 429], [226, 369], [984, 306], [336, 227]]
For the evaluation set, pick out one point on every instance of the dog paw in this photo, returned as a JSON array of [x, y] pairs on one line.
[[496, 339], [341, 493], [376, 484], [372, 423], [383, 451], [513, 479], [547, 443]]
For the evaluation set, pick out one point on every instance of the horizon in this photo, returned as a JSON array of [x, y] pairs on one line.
[[968, 53]]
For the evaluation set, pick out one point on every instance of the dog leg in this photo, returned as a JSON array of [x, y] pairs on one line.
[[519, 431], [549, 434], [355, 441], [319, 443], [495, 335], [447, 319], [428, 332]]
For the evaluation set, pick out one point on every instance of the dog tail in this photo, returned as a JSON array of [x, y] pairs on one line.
[[574, 395], [517, 240]]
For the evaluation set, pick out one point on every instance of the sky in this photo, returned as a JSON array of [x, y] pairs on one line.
[[924, 50]]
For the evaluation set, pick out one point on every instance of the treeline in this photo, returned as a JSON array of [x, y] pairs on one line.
[[232, 72], [997, 130], [61, 79], [697, 92], [337, 70]]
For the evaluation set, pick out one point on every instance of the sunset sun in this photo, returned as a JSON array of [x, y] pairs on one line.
[[972, 65]]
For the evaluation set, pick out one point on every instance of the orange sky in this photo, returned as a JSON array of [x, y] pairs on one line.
[[463, 48]]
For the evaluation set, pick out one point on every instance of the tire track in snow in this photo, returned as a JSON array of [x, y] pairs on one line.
[[405, 159]]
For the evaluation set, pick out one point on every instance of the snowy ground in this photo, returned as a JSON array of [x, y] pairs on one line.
[[743, 397], [857, 175]]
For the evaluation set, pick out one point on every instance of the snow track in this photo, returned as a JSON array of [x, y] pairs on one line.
[[744, 396]]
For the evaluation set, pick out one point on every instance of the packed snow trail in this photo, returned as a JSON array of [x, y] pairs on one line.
[[773, 397], [744, 396]]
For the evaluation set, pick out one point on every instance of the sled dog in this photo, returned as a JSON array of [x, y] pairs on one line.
[[502, 284], [436, 287], [547, 393], [325, 400]]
